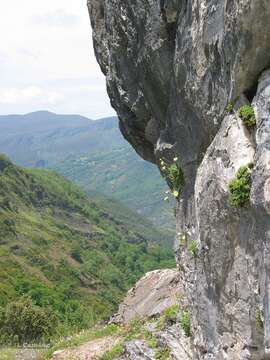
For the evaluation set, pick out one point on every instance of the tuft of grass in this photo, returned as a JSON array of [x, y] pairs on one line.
[[168, 317], [115, 352], [247, 114], [163, 354], [185, 323], [193, 248], [134, 330], [171, 313], [152, 342], [240, 187]]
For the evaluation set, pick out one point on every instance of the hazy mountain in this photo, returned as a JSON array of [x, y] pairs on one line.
[[91, 153]]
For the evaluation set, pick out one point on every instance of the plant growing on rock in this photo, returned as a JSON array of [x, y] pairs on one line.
[[229, 108], [168, 317], [163, 354], [259, 320], [115, 352], [182, 238], [174, 174], [247, 114], [240, 187], [150, 339], [193, 248], [185, 323], [171, 313]]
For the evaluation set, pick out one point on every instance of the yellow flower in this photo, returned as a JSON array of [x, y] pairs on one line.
[[175, 193]]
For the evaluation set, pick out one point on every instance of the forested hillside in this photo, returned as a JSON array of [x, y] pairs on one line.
[[66, 252]]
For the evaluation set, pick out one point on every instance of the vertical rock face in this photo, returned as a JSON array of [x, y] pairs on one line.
[[172, 66]]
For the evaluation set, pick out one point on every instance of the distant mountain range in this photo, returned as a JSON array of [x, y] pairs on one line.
[[91, 153]]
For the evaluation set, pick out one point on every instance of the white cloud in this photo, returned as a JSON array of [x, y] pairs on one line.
[[58, 17], [49, 55], [29, 95]]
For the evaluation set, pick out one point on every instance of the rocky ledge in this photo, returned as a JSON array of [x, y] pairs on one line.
[[184, 76], [150, 297]]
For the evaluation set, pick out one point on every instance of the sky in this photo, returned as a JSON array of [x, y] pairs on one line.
[[47, 60]]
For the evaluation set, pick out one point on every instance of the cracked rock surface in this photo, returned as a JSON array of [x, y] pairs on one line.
[[172, 67]]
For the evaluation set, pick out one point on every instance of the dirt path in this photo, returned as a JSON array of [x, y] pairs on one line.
[[88, 351], [29, 354]]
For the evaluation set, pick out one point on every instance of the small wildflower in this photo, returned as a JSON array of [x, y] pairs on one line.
[[163, 168], [162, 162], [166, 198], [184, 237], [175, 193], [175, 159]]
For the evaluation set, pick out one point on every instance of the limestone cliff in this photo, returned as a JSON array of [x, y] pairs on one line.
[[172, 67]]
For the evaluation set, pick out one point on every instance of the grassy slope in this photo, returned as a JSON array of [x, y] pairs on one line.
[[66, 251], [91, 153]]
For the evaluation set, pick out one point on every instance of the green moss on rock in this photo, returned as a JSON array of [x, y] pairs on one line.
[[240, 187]]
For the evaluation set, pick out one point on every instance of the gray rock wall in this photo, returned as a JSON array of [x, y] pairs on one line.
[[171, 68]]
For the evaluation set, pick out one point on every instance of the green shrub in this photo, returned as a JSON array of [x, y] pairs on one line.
[[247, 114], [240, 187], [76, 254], [193, 248], [23, 322], [185, 323]]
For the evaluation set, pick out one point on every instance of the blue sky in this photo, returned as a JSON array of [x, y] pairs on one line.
[[47, 60]]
